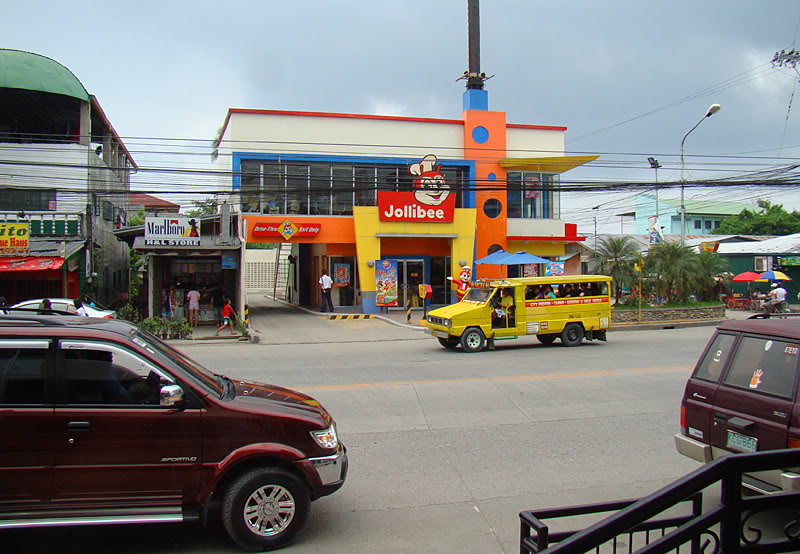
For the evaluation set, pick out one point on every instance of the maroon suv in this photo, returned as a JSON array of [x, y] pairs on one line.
[[100, 422], [743, 397]]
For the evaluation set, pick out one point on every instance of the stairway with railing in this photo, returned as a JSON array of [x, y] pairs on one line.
[[269, 272], [648, 525]]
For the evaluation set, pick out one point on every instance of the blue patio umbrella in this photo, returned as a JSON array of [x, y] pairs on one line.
[[493, 258], [501, 257]]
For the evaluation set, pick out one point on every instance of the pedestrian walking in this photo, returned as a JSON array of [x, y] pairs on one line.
[[228, 315], [193, 297], [325, 283], [218, 301]]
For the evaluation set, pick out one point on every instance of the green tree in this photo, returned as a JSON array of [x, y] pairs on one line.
[[769, 219], [711, 274], [137, 219], [202, 207], [675, 267], [615, 256]]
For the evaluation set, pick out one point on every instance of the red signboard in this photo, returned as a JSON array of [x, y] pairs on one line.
[[30, 264], [287, 229], [406, 206]]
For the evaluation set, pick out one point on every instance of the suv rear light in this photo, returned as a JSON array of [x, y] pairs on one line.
[[683, 420], [108, 317], [793, 443]]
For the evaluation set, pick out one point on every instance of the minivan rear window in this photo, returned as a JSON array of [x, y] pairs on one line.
[[765, 365], [716, 357]]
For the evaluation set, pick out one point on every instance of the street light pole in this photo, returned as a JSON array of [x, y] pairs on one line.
[[714, 108], [655, 165]]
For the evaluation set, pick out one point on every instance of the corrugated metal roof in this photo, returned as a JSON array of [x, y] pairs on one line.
[[788, 244]]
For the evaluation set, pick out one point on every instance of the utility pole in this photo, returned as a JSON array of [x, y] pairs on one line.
[[786, 59], [655, 165]]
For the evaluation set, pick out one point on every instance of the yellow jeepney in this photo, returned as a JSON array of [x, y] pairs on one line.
[[569, 308]]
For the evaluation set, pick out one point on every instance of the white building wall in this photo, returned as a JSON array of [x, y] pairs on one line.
[[48, 166], [530, 143], [343, 136]]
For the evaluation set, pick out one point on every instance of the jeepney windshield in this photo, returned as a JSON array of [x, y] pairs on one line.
[[478, 295]]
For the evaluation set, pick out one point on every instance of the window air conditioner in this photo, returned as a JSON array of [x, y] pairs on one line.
[[761, 264]]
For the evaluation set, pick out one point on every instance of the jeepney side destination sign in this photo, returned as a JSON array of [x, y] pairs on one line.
[[171, 231]]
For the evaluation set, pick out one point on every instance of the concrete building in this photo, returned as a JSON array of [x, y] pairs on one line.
[[64, 180]]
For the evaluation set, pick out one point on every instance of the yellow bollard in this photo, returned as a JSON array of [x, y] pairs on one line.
[[408, 311]]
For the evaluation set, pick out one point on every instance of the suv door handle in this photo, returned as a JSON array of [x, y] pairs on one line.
[[78, 426], [718, 417]]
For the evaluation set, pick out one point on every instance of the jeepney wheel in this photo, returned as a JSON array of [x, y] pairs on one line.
[[450, 342], [572, 335], [546, 339], [472, 340]]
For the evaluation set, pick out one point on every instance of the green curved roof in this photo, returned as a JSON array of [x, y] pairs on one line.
[[29, 71]]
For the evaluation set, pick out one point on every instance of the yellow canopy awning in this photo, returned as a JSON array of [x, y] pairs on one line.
[[551, 164]]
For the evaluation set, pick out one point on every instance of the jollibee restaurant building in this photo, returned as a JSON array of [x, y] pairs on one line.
[[374, 198]]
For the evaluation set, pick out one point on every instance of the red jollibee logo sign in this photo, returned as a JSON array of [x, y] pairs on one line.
[[431, 201]]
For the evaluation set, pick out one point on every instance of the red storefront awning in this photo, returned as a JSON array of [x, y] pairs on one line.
[[30, 263]]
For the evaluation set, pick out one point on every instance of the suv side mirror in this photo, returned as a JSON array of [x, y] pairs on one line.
[[171, 395]]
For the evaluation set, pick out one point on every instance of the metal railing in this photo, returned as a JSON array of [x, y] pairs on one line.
[[726, 528]]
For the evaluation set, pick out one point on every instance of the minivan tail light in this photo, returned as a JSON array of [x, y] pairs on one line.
[[793, 443]]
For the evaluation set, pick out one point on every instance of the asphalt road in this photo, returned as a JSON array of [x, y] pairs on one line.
[[446, 448]]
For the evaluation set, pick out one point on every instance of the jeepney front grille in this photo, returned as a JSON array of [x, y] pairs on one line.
[[437, 320]]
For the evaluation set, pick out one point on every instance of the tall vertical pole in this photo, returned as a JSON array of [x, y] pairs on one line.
[[474, 79]]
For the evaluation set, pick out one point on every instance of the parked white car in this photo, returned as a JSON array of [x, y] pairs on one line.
[[65, 305]]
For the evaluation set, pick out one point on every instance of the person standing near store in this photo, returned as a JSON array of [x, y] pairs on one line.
[[193, 298], [325, 283], [218, 301]]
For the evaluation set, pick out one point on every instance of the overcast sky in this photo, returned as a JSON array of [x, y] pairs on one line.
[[172, 69]]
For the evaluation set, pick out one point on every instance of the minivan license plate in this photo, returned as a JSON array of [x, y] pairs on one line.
[[741, 443]]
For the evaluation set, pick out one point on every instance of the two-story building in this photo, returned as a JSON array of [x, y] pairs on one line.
[[64, 181], [376, 200]]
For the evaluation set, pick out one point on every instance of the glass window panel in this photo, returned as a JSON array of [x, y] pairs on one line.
[[343, 190], [514, 195], [454, 176], [274, 193], [546, 196], [387, 178], [320, 189], [405, 181], [764, 365], [531, 196], [110, 376], [364, 178], [251, 185], [22, 373], [715, 359], [297, 189]]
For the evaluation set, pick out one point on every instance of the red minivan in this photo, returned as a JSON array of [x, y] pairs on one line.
[[743, 397], [101, 422]]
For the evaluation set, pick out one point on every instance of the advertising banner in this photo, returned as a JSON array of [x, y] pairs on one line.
[[171, 231], [554, 268], [288, 229], [386, 282], [341, 275], [14, 239]]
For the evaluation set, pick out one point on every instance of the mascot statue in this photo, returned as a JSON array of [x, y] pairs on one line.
[[462, 282]]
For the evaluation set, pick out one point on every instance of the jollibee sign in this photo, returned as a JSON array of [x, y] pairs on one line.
[[431, 202]]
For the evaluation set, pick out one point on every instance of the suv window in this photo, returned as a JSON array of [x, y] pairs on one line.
[[96, 373], [22, 371], [764, 365], [716, 357]]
